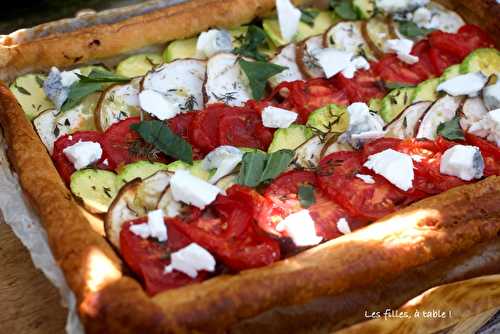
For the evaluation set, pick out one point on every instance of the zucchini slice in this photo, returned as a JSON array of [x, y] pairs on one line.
[[139, 169], [329, 119], [395, 102], [406, 124], [138, 65], [443, 110], [486, 60], [364, 8], [375, 32], [118, 102], [426, 90], [290, 138], [180, 49], [28, 90], [95, 188]]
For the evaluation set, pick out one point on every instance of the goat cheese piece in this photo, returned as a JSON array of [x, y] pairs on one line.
[[491, 96], [300, 227], [466, 84], [366, 178], [192, 190], [343, 226], [398, 6], [273, 117], [462, 161], [363, 125], [333, 61], [402, 48], [83, 153], [154, 227], [157, 105], [395, 166], [358, 63], [224, 158], [57, 84], [488, 127], [214, 41], [288, 18], [191, 259]]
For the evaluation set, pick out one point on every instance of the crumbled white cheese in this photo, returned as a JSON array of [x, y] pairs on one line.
[[333, 61], [466, 84], [488, 127], [491, 96], [225, 158], [273, 117], [343, 226], [300, 227], [83, 153], [212, 42], [154, 227], [363, 125], [462, 161], [395, 166], [358, 63], [57, 84], [191, 259], [438, 18], [288, 18], [157, 105], [366, 178], [190, 189], [402, 48], [396, 6]]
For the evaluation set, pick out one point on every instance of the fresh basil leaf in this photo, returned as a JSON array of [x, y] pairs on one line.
[[344, 9], [252, 166], [395, 85], [306, 195], [277, 162], [451, 130], [99, 75], [411, 29], [254, 38], [257, 73], [78, 91], [308, 16], [159, 135]]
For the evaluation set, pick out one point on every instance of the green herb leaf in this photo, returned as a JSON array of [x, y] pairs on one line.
[[160, 136], [78, 91], [254, 37], [308, 16], [451, 130], [306, 195], [344, 9], [39, 81], [396, 85], [277, 162], [22, 90], [100, 75], [411, 29], [257, 73], [252, 166]]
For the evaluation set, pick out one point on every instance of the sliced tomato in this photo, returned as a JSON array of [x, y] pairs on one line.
[[283, 193], [63, 165], [468, 38], [363, 87], [489, 151], [180, 125], [243, 127], [147, 258], [391, 69], [337, 178], [441, 60], [228, 230], [424, 67]]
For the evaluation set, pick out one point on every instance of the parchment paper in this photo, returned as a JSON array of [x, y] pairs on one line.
[[26, 226]]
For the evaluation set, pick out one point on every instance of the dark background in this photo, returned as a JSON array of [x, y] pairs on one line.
[[27, 13]]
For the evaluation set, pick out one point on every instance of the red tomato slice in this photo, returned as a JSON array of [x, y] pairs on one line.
[[424, 67], [441, 60], [118, 140], [227, 229], [363, 87], [148, 258], [490, 153], [391, 69], [243, 127], [283, 192], [63, 165], [337, 178], [180, 125]]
